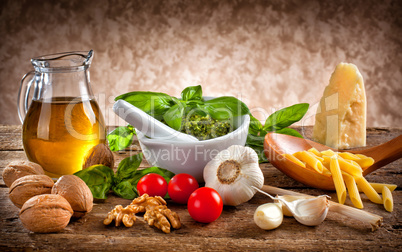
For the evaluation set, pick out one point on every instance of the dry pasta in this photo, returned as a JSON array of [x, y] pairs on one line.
[[352, 190], [346, 170], [379, 186], [350, 168], [348, 156], [338, 180], [309, 159], [315, 151], [387, 199], [294, 159], [368, 190]]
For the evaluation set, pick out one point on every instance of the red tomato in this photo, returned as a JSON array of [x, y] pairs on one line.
[[181, 186], [205, 205], [152, 184]]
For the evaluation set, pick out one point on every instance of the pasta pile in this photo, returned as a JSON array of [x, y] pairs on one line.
[[347, 173]]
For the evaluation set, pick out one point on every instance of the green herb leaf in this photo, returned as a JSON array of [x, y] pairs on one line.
[[225, 107], [285, 117], [125, 190], [290, 132], [152, 103], [121, 137], [255, 127], [128, 167], [141, 173], [99, 179], [192, 93], [257, 144], [174, 116]]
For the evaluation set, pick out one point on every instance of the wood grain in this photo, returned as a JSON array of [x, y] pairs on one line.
[[234, 230]]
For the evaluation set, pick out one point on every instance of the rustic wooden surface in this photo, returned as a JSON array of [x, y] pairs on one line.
[[234, 230]]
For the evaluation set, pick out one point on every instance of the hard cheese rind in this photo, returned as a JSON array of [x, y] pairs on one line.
[[340, 121]]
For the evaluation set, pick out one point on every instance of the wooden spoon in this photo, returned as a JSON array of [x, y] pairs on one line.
[[277, 144]]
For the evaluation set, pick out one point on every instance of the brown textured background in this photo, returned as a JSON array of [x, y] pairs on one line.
[[270, 54]]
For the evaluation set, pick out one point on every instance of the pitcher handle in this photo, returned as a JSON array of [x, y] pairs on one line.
[[23, 95]]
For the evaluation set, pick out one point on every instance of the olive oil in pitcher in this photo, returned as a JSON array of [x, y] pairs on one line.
[[59, 133]]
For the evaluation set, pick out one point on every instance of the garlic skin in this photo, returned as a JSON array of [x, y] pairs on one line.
[[233, 173], [268, 216], [288, 198]]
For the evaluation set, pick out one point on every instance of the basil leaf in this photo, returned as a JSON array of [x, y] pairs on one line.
[[152, 103], [255, 127], [120, 138], [167, 175], [225, 107], [99, 179], [125, 190], [255, 140], [290, 132], [192, 93], [174, 116], [128, 167], [285, 117]]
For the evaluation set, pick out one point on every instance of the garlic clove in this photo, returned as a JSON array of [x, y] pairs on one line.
[[268, 216], [309, 211], [288, 198]]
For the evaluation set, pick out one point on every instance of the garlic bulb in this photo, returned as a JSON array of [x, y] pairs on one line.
[[309, 211], [268, 216], [232, 173]]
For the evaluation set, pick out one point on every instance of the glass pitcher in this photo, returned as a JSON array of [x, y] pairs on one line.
[[61, 119]]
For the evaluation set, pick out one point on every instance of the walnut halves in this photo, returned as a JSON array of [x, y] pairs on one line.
[[156, 213]]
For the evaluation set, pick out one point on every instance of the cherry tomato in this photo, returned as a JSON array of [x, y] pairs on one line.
[[205, 205], [152, 184], [181, 186]]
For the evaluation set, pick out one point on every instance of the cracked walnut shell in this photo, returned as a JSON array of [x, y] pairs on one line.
[[18, 169], [46, 213], [76, 192], [28, 186]]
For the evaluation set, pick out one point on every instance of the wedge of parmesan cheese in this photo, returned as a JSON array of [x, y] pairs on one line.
[[340, 121]]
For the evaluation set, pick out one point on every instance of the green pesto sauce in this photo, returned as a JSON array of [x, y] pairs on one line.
[[204, 127]]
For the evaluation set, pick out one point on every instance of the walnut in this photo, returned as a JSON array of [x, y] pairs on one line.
[[28, 186], [18, 169], [76, 192], [46, 213], [120, 214], [160, 217], [99, 154], [156, 213]]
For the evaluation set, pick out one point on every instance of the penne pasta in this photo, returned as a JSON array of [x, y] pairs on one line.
[[364, 161], [315, 151], [328, 153], [378, 187], [338, 180], [294, 159], [309, 159], [368, 190], [326, 171], [354, 170], [348, 156], [387, 199], [317, 157], [352, 190]]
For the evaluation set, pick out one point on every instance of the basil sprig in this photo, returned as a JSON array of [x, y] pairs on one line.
[[101, 179], [276, 122]]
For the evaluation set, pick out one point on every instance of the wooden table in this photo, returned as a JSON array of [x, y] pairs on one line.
[[234, 230]]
